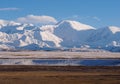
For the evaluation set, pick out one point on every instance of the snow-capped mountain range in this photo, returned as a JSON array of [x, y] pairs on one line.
[[65, 34]]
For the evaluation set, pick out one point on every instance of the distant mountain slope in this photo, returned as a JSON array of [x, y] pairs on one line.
[[105, 36], [73, 33]]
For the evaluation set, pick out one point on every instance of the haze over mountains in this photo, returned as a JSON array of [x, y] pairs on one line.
[[64, 34]]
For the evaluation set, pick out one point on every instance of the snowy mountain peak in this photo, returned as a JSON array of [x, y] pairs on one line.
[[49, 28], [3, 23], [75, 25], [114, 29], [12, 23], [8, 23]]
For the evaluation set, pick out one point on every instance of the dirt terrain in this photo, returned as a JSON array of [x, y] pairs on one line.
[[59, 74]]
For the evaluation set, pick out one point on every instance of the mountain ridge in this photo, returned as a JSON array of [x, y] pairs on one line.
[[65, 34]]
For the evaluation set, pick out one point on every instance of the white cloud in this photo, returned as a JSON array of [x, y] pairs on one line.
[[38, 20], [9, 9], [82, 18], [96, 18], [73, 17]]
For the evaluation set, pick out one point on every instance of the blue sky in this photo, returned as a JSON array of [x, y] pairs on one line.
[[97, 13]]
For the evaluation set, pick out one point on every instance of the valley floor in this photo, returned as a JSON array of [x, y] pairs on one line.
[[59, 54], [59, 74]]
